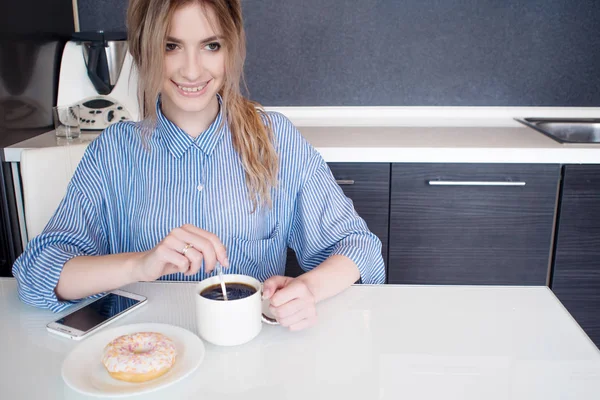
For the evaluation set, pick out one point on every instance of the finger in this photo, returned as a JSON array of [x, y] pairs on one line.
[[195, 258], [289, 308], [273, 284], [292, 291], [175, 263], [304, 313], [219, 248], [170, 269], [167, 254], [210, 261], [175, 244], [199, 243], [180, 235], [183, 264], [305, 323]]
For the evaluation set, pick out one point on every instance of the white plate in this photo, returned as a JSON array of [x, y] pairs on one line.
[[83, 371]]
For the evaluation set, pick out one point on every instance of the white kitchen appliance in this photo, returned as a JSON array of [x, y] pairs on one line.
[[97, 73]]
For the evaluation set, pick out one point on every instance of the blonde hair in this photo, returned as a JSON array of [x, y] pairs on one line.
[[148, 24]]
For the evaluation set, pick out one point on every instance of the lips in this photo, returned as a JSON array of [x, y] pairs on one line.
[[191, 90]]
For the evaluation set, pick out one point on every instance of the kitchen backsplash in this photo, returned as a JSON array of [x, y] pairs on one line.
[[412, 52]]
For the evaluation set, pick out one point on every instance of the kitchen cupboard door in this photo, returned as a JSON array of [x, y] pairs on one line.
[[368, 186], [576, 272], [472, 223], [10, 237]]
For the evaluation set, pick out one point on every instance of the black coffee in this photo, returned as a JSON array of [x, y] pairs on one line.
[[235, 291]]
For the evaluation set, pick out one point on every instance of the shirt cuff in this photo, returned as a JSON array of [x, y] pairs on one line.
[[365, 252], [38, 289]]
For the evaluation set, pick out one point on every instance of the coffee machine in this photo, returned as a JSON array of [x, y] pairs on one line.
[[97, 73]]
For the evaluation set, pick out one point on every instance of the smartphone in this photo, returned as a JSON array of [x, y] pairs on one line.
[[90, 317]]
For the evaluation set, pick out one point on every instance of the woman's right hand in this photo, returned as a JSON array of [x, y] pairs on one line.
[[182, 250]]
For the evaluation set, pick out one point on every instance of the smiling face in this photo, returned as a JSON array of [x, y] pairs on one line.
[[194, 67]]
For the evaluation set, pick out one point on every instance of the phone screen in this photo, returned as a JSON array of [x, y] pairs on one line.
[[97, 312]]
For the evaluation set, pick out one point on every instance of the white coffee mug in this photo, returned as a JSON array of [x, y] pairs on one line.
[[232, 322]]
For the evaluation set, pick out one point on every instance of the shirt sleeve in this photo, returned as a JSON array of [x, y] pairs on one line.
[[75, 229], [325, 223]]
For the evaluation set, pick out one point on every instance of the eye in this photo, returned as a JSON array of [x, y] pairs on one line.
[[214, 46], [171, 47]]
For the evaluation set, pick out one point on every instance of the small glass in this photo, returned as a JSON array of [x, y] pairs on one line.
[[66, 121]]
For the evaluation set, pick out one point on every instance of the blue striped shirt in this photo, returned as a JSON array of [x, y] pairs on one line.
[[128, 192]]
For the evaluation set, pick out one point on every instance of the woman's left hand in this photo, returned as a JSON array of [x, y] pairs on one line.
[[292, 302]]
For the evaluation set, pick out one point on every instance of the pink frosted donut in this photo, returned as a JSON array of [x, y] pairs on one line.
[[139, 357]]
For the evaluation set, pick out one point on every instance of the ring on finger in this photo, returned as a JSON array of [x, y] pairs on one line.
[[186, 248]]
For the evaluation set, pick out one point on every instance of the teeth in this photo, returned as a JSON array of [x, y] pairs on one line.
[[192, 89]]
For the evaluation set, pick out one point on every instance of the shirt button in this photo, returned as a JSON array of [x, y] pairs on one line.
[[200, 187]]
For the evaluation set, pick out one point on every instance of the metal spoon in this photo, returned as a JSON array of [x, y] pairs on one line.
[[221, 280]]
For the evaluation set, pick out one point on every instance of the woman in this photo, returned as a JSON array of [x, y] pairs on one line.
[[207, 177]]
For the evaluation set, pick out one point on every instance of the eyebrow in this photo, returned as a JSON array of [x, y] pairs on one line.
[[208, 39]]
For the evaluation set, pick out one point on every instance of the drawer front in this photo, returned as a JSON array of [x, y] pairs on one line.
[[368, 186], [576, 275], [472, 223]]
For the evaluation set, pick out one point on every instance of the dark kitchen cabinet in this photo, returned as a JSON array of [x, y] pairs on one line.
[[576, 275], [10, 237], [472, 223], [368, 186], [32, 37]]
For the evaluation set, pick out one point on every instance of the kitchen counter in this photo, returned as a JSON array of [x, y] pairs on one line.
[[371, 342], [512, 143], [445, 145]]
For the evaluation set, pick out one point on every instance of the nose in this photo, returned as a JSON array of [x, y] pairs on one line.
[[192, 67]]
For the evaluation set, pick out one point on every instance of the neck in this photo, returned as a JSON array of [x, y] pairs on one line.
[[192, 123]]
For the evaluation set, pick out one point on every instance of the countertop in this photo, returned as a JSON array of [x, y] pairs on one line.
[[371, 342], [444, 144]]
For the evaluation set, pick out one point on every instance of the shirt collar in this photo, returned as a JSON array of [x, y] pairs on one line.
[[178, 142]]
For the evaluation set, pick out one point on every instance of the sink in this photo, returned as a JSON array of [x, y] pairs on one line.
[[580, 130]]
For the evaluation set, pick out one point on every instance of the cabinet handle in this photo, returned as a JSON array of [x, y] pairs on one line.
[[475, 183], [345, 181]]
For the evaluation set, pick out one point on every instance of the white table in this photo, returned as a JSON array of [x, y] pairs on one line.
[[372, 342]]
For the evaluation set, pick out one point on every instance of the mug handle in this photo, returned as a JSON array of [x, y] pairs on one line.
[[269, 320], [266, 319]]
